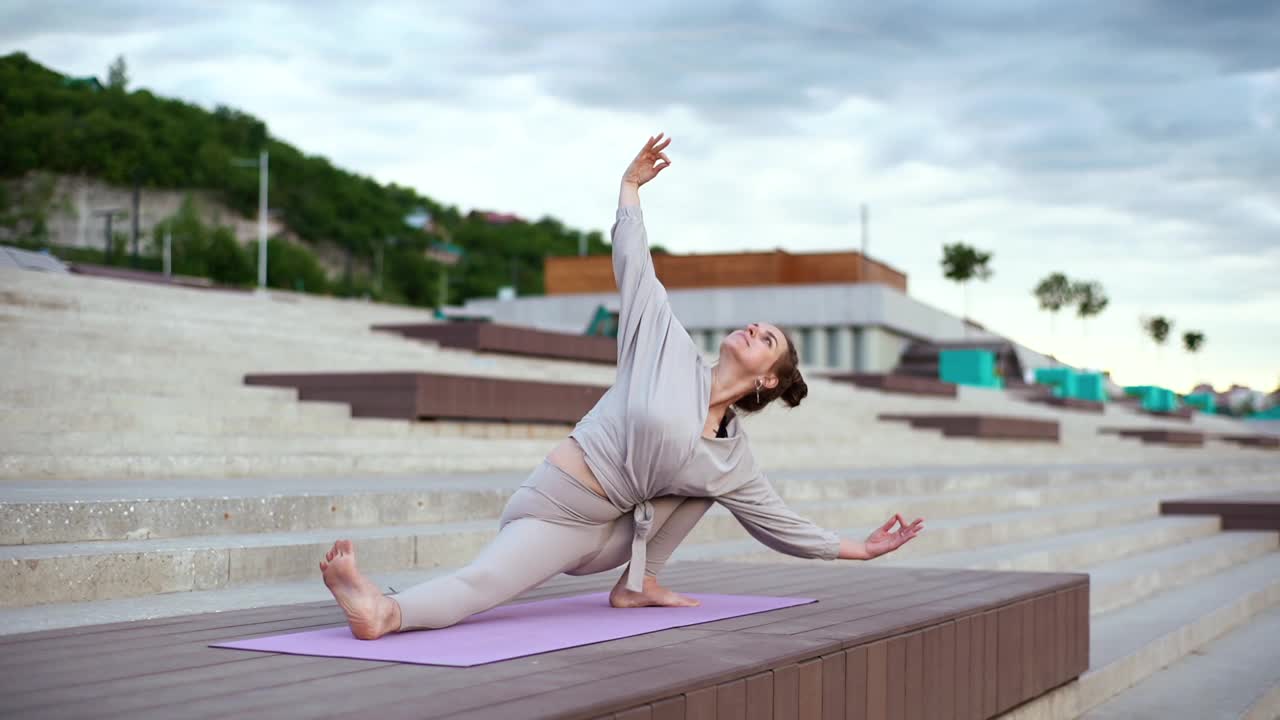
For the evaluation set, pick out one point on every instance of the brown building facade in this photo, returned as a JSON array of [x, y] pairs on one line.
[[594, 273]]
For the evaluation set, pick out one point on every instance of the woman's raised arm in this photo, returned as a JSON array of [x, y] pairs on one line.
[[650, 161]]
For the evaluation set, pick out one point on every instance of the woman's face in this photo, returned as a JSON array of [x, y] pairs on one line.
[[756, 348]]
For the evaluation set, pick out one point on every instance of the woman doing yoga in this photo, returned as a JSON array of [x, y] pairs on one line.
[[637, 472]]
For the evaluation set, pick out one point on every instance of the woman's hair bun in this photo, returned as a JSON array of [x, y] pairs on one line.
[[798, 390]]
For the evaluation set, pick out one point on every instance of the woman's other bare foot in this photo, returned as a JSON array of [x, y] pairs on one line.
[[369, 613], [651, 595]]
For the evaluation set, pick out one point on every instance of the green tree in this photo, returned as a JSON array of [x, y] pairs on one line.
[[54, 124], [1054, 292], [1157, 328], [118, 74], [962, 263], [292, 267], [1090, 300], [1192, 341]]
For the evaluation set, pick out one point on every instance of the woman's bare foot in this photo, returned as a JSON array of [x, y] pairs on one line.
[[651, 595], [370, 613]]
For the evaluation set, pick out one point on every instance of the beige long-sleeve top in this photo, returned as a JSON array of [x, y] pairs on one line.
[[643, 439]]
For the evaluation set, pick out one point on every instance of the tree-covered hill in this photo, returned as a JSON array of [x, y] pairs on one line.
[[76, 126]]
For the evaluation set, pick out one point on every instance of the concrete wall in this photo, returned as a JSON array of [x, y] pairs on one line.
[[851, 305]]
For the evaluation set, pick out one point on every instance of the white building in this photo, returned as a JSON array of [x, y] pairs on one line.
[[853, 327]]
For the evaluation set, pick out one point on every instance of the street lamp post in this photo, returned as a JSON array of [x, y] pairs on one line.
[[262, 163], [109, 214]]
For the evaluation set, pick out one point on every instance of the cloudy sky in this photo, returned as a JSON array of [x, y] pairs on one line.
[[1134, 143]]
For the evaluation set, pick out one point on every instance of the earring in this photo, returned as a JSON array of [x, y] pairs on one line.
[[758, 386]]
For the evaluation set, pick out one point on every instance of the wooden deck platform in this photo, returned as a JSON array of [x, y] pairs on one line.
[[1249, 511], [902, 643], [994, 427]]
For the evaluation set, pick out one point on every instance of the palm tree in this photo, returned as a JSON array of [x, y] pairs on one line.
[[1192, 341], [1157, 328], [962, 263], [1090, 300], [1054, 293]]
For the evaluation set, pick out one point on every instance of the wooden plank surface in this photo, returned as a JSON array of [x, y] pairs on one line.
[[881, 642]]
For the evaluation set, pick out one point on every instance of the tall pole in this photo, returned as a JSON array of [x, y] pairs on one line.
[[137, 201], [262, 219], [866, 237]]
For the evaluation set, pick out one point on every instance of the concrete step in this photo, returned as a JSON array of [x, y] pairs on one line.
[[1235, 677], [231, 370], [37, 573], [36, 388], [77, 294], [79, 572], [957, 533], [288, 463], [495, 455], [240, 402], [1122, 582], [23, 420], [76, 512], [144, 443], [54, 616], [1133, 643], [161, 336], [1074, 551]]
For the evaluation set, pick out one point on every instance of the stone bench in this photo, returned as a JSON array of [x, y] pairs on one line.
[[511, 340], [982, 426], [893, 383], [435, 396], [1247, 511], [1158, 436]]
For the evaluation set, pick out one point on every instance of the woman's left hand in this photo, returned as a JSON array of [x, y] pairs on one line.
[[650, 161], [883, 540]]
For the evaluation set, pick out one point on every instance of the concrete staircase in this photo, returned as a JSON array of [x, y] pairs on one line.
[[139, 478], [104, 379], [1162, 587]]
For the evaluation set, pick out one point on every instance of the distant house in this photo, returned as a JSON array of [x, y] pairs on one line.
[[497, 218], [88, 81], [1238, 396]]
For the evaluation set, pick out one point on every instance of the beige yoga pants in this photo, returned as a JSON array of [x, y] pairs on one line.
[[552, 524]]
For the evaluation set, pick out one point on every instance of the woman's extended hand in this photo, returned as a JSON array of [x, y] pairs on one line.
[[649, 162], [882, 541]]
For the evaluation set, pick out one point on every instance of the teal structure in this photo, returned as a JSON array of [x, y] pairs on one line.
[[1269, 414], [1154, 399], [1068, 383], [604, 323], [1204, 402], [969, 367]]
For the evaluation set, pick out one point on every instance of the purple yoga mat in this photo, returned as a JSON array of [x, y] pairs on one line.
[[513, 631]]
